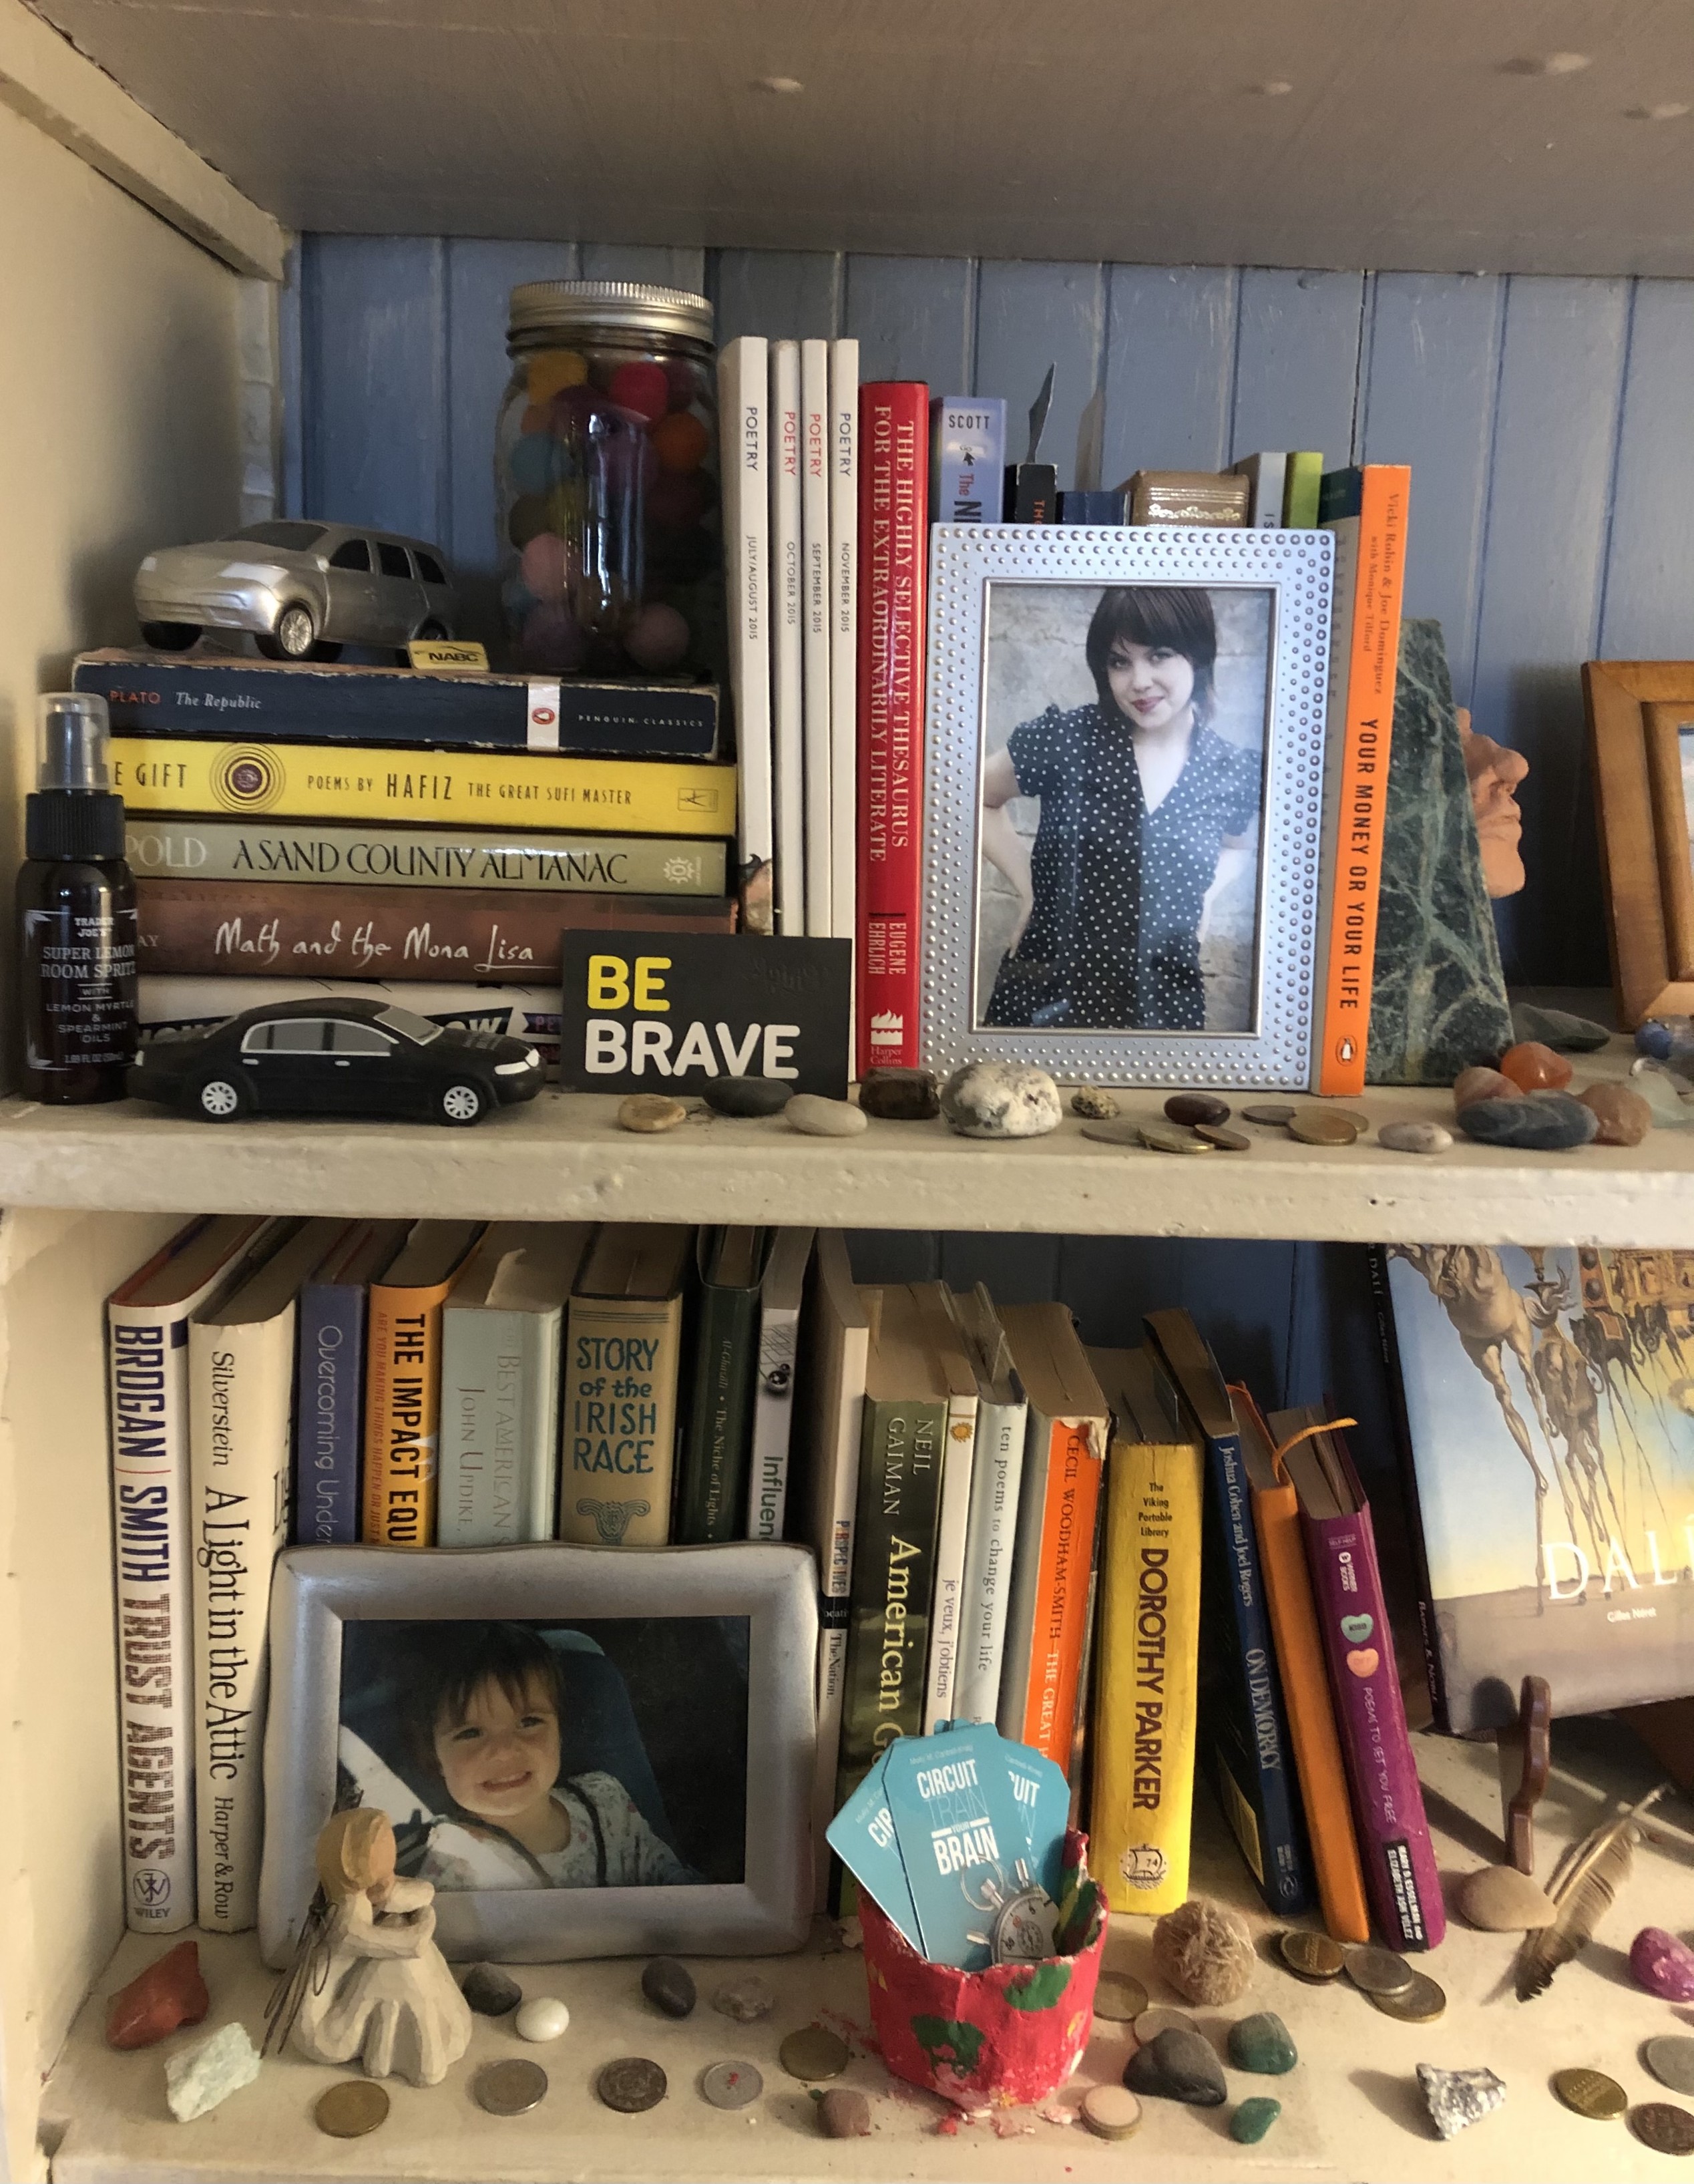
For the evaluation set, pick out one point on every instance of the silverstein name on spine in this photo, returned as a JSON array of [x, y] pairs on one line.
[[222, 1553]]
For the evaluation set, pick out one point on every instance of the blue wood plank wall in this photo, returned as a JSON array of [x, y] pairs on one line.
[[1549, 424]]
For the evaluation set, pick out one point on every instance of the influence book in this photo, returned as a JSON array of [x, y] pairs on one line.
[[894, 1537], [356, 781], [966, 457], [1243, 1732], [1401, 1875], [1314, 1729], [835, 1352], [329, 1386], [502, 1332], [717, 1428], [195, 695], [146, 1374], [240, 1372], [1058, 1500], [1532, 1561], [422, 857], [263, 928], [623, 1362], [781, 1293], [952, 1514], [787, 617], [402, 1384], [843, 638], [1002, 1415], [744, 435], [814, 583], [893, 535], [1365, 509], [1140, 1814]]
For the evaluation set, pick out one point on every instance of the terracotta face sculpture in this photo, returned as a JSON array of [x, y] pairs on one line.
[[1494, 773]]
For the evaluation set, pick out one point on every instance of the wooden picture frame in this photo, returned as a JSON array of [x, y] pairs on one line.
[[1639, 713]]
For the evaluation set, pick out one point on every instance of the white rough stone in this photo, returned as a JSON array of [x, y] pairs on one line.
[[543, 2017], [197, 2078], [815, 1117], [1001, 1100], [1455, 2099], [1415, 1138]]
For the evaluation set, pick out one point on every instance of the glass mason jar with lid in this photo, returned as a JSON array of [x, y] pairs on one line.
[[606, 475]]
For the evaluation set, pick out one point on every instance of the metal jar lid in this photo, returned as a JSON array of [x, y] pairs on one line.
[[541, 308]]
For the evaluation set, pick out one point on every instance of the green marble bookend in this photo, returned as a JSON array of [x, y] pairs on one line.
[[1439, 1002]]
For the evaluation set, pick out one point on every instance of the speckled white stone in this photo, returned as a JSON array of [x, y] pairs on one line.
[[1001, 1100]]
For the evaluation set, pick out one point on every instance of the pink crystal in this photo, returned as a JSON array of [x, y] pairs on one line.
[[1662, 1964]]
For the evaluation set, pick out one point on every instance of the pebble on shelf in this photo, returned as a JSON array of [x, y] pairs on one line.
[[1262, 2043], [1530, 1122], [1254, 2118], [197, 2079], [170, 1993], [1480, 1084], [900, 1096], [746, 1096], [1625, 1118], [1533, 1068], [1094, 1105], [1001, 1100], [1455, 2099], [647, 1113], [1178, 2065], [1501, 1900], [1662, 1964], [1415, 1138], [1206, 1951], [814, 1117]]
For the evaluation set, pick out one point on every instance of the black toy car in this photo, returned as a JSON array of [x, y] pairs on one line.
[[337, 1057]]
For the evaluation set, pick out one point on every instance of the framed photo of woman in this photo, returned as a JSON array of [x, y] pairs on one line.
[[1125, 784]]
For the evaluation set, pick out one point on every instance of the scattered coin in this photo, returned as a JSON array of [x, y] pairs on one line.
[[732, 2085], [1379, 1971], [1273, 1114], [1671, 2060], [1350, 1115], [1313, 1956], [1320, 1126], [814, 2052], [1111, 2111], [1592, 2093], [631, 2085], [1665, 2128], [1119, 1999], [1120, 1132], [350, 2109], [510, 2088], [1172, 1138], [1226, 1141], [1420, 2003], [1152, 2022]]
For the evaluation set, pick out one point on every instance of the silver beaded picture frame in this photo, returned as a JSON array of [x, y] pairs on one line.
[[333, 1607], [1096, 990]]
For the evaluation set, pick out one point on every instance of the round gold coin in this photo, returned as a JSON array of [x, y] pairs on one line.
[[1313, 1956], [1376, 1971], [352, 2109], [1419, 2004], [814, 2054], [1119, 1999], [1592, 2093]]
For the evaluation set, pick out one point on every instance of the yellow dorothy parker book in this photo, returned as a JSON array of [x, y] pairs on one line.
[[1148, 1643], [353, 781]]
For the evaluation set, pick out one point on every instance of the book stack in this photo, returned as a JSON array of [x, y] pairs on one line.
[[432, 831]]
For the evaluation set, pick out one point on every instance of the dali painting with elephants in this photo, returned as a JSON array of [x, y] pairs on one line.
[[1549, 1410]]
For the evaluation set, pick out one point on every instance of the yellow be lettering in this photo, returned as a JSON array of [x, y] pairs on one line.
[[608, 983], [648, 983]]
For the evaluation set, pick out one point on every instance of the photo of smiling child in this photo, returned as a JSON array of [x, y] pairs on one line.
[[1123, 755]]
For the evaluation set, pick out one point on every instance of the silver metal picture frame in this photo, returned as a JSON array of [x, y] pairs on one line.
[[318, 1593], [1075, 927]]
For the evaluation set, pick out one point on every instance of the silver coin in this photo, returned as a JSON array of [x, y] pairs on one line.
[[510, 2088], [1671, 2059], [731, 2084], [1379, 1971]]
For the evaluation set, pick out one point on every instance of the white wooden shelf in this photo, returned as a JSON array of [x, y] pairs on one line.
[[1350, 2107], [563, 1158]]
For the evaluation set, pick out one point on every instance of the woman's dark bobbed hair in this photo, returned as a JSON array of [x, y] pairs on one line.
[[1178, 618]]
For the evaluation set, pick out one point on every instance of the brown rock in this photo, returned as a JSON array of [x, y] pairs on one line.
[[1196, 1107], [1473, 1084], [900, 1096], [170, 1993], [844, 2113], [1501, 1900], [1625, 1118], [649, 1112], [1533, 1068]]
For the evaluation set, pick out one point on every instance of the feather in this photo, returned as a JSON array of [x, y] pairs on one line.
[[1584, 1883]]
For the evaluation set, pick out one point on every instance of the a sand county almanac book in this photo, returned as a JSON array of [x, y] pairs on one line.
[[1548, 1420]]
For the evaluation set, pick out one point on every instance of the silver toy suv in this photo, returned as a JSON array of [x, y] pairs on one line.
[[303, 589]]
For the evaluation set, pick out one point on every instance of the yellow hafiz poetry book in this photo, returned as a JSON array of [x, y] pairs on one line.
[[1149, 1637], [351, 781]]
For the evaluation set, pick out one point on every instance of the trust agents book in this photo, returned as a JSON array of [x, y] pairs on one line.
[[1547, 1403]]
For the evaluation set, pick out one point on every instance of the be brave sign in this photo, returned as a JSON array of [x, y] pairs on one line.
[[663, 1012]]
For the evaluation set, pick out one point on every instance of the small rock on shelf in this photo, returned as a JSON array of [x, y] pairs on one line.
[[1663, 1092], [843, 2112], [1262, 2043], [745, 1999], [543, 2017], [669, 1985], [1254, 2118], [649, 1112], [1533, 1121], [1501, 1900], [746, 1096], [1094, 1105], [814, 1117], [1206, 1951], [1178, 2066], [1415, 1138], [1558, 1027], [1196, 1107], [170, 1993], [1533, 1068], [1455, 2099], [1624, 1116], [197, 2078], [900, 1096], [1662, 1964], [491, 1992], [1001, 1100], [1480, 1083]]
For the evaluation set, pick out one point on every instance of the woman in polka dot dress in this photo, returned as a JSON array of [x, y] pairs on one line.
[[1146, 817]]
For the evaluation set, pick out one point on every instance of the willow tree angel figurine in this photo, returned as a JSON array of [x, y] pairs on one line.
[[368, 1982]]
